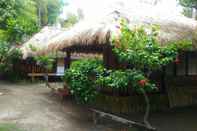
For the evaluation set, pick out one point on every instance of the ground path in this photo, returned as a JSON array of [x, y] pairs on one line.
[[32, 108]]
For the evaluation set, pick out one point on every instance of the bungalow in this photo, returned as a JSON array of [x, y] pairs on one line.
[[178, 82]]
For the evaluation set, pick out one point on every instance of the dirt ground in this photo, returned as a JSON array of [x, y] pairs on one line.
[[32, 108]]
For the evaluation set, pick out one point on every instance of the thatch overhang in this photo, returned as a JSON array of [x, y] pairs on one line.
[[39, 40], [91, 35]]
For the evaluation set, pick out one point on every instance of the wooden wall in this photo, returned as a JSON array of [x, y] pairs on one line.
[[130, 104], [181, 80], [178, 83], [29, 66]]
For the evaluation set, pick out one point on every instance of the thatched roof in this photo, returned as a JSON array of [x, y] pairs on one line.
[[40, 39], [91, 32]]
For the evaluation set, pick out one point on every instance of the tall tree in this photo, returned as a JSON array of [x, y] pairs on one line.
[[6, 11], [48, 11], [21, 18], [24, 22], [54, 9], [189, 3], [17, 19], [41, 6], [192, 4]]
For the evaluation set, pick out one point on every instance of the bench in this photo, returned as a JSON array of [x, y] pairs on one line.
[[33, 75], [59, 72]]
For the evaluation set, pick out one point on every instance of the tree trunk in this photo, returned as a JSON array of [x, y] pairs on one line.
[[39, 17], [147, 112], [194, 13]]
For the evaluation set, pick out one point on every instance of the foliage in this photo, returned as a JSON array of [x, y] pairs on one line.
[[85, 75], [48, 11], [8, 57], [78, 77], [141, 49], [189, 3], [20, 28], [123, 79], [54, 9], [3, 35], [70, 21], [45, 61], [6, 11], [187, 12], [19, 19]]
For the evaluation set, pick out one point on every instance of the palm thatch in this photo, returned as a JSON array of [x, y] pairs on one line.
[[97, 32], [39, 40]]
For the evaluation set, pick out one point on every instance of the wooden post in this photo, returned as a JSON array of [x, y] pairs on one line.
[[186, 63], [67, 60], [32, 77], [106, 55], [175, 69], [110, 60], [163, 82]]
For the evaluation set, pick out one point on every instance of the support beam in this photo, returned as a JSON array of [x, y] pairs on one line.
[[163, 82], [67, 60], [175, 69], [186, 63], [97, 114]]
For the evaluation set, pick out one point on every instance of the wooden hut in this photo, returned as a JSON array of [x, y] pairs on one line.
[[93, 36], [29, 66]]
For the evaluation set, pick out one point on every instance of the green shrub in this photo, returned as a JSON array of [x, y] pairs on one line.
[[8, 57], [78, 77], [143, 50], [84, 76], [123, 79]]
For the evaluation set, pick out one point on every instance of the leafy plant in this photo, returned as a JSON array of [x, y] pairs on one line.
[[8, 57], [140, 48], [123, 79], [45, 61], [20, 28], [79, 79], [84, 76]]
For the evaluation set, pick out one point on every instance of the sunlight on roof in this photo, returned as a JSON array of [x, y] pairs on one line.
[[92, 9]]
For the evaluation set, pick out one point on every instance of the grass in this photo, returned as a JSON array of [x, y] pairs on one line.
[[9, 127]]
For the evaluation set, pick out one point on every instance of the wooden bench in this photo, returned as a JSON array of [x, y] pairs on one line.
[[33, 75], [60, 68], [100, 114]]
